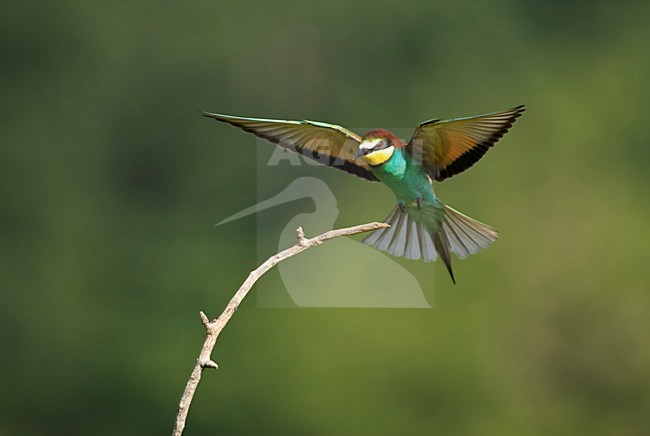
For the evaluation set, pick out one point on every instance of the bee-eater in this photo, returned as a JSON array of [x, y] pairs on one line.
[[421, 226]]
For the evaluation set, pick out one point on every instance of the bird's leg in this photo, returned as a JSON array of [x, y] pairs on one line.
[[419, 201], [402, 207]]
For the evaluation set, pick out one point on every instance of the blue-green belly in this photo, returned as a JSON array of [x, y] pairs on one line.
[[407, 181]]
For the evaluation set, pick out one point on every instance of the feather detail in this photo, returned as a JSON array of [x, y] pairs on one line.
[[327, 144], [446, 148], [407, 237]]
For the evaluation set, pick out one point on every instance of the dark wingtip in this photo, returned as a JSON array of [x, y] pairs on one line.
[[442, 248], [451, 272]]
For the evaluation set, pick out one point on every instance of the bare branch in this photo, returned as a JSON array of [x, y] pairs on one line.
[[213, 328]]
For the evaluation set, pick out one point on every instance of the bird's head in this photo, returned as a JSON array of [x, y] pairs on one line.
[[377, 146]]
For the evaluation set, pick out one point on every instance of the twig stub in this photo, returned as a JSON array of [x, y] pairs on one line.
[[301, 236]]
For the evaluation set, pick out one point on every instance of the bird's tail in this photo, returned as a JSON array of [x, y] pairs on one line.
[[410, 237]]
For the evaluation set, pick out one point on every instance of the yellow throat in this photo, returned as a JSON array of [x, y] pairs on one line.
[[378, 157]]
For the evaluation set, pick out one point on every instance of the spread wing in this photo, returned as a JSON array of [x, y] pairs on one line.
[[446, 148], [325, 143]]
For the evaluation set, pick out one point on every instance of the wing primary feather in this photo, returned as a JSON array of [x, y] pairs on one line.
[[448, 147], [325, 143]]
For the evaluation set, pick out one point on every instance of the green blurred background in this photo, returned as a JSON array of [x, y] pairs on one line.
[[111, 184]]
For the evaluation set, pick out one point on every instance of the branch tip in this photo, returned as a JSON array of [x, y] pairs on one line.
[[204, 319]]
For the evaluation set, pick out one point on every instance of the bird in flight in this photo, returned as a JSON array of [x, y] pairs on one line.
[[421, 225]]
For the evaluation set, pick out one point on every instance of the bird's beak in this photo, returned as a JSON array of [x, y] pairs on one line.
[[359, 153]]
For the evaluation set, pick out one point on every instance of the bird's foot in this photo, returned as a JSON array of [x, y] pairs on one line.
[[419, 201], [402, 207]]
